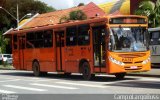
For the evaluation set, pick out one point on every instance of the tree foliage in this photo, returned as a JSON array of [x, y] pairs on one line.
[[151, 10], [77, 15], [74, 15], [80, 4], [25, 7], [3, 43]]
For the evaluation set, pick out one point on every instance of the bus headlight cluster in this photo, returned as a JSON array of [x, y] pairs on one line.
[[116, 61], [146, 61]]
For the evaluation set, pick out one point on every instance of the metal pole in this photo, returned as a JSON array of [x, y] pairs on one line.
[[17, 17]]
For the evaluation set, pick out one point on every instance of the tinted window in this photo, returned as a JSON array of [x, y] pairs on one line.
[[83, 35], [48, 41], [39, 39], [71, 36], [155, 38], [30, 40]]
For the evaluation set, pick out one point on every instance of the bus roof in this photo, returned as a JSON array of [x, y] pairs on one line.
[[71, 22], [154, 29]]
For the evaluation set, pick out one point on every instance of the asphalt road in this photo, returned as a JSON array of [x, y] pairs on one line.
[[23, 82]]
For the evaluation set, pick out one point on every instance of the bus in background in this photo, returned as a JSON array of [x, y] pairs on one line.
[[109, 45], [155, 46]]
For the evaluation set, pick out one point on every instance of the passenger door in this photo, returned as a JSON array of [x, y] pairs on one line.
[[99, 46], [21, 48], [59, 50]]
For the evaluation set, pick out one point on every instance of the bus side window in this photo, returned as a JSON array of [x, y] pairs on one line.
[[48, 41], [71, 36], [83, 35], [30, 38], [15, 41], [38, 41]]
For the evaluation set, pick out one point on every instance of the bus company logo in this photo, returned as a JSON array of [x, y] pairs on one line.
[[127, 59]]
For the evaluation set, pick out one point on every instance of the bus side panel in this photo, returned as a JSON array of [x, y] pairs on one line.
[[28, 58], [86, 52], [74, 55], [46, 59], [71, 60], [16, 59]]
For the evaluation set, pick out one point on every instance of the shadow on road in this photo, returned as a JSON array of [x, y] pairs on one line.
[[108, 78]]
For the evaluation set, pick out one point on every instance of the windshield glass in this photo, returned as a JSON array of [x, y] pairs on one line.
[[129, 39]]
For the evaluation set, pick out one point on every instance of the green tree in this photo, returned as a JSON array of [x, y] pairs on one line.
[[74, 15], [64, 19], [80, 4], [77, 15], [151, 10], [3, 43]]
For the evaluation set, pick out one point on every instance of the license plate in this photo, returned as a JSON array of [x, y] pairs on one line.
[[133, 67]]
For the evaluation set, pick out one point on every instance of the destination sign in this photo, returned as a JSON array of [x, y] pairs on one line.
[[127, 20]]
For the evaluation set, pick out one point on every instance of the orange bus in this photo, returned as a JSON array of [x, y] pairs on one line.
[[112, 44]]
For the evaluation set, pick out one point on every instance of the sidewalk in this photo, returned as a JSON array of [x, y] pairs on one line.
[[154, 72]]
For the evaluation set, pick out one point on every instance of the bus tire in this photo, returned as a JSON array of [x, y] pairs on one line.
[[36, 69], [86, 72], [120, 75]]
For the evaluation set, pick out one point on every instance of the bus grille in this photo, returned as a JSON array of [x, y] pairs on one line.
[[137, 62], [132, 55]]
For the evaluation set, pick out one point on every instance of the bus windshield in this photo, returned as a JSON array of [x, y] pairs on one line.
[[129, 39]]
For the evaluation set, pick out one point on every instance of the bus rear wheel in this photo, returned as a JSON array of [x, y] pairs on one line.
[[36, 69], [86, 72], [120, 75]]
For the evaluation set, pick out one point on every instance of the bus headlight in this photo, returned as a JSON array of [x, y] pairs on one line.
[[146, 61], [116, 61]]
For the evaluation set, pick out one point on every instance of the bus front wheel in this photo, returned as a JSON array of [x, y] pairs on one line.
[[120, 75], [36, 69], [86, 72]]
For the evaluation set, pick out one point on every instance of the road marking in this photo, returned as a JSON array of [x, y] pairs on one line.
[[54, 86], [6, 91], [79, 84], [149, 79], [10, 80], [24, 88]]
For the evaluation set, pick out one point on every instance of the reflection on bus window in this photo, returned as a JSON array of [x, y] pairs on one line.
[[71, 36], [129, 39], [83, 35], [40, 39]]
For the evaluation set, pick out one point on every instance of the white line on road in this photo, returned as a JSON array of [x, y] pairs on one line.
[[149, 79], [24, 88], [6, 91], [54, 86], [10, 80], [79, 84]]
